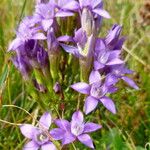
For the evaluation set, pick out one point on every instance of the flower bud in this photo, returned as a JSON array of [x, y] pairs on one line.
[[87, 21]]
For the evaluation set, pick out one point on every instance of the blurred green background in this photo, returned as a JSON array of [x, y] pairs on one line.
[[130, 128]]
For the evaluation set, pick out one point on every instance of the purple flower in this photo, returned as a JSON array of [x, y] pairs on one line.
[[26, 31], [118, 72], [66, 8], [68, 132], [21, 63], [95, 6], [96, 92], [39, 136], [104, 57], [112, 37], [45, 13], [83, 44]]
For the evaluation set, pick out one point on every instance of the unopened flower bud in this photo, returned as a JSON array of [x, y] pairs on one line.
[[57, 87], [87, 21]]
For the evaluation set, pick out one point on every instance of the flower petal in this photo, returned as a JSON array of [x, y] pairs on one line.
[[39, 36], [86, 140], [28, 130], [63, 124], [78, 116], [94, 77], [15, 44], [65, 38], [70, 49], [95, 3], [57, 133], [130, 82], [64, 13], [98, 65], [46, 24], [109, 104], [102, 13], [31, 146], [48, 146], [90, 104], [73, 5], [45, 120], [91, 127], [111, 80], [81, 87], [115, 61], [68, 138]]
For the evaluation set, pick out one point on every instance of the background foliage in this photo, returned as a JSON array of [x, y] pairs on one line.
[[130, 128]]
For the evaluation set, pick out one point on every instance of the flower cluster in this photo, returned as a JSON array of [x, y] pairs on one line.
[[43, 40]]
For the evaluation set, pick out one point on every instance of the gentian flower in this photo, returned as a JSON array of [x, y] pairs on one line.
[[26, 31], [96, 92], [77, 129], [39, 136], [104, 57], [95, 6], [45, 13], [66, 8], [22, 64], [118, 72], [112, 37], [83, 45]]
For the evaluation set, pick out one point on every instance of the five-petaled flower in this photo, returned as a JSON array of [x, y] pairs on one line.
[[39, 136], [96, 92], [77, 129]]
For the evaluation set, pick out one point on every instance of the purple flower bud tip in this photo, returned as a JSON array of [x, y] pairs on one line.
[[57, 87]]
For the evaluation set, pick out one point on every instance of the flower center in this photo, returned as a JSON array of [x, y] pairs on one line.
[[41, 138], [97, 90], [77, 128]]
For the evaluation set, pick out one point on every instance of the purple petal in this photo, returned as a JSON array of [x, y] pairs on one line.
[[46, 24], [81, 87], [86, 140], [114, 54], [63, 124], [115, 61], [130, 82], [102, 13], [68, 138], [57, 133], [15, 44], [70, 49], [95, 3], [90, 104], [48, 146], [31, 146], [64, 14], [112, 89], [98, 65], [28, 130], [111, 80], [65, 38], [78, 116], [39, 36], [73, 5], [94, 77], [45, 120], [91, 127], [109, 104]]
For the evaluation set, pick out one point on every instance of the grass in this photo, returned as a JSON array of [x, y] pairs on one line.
[[129, 129]]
